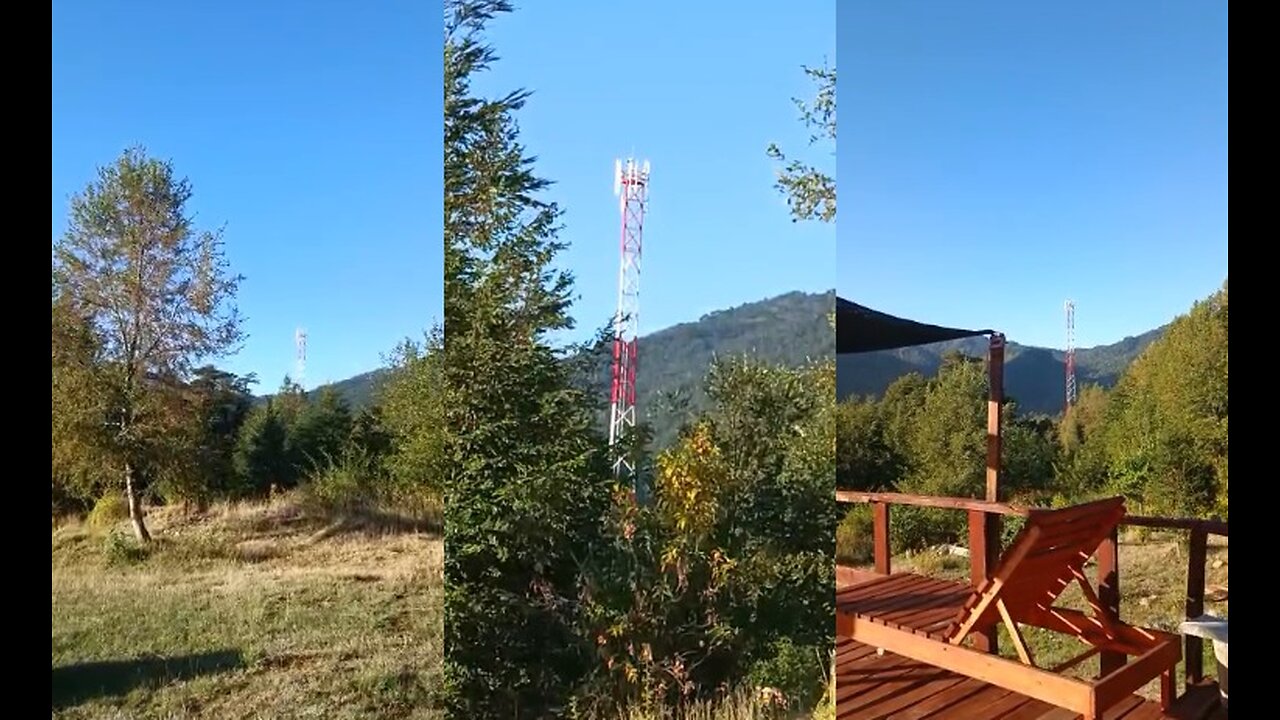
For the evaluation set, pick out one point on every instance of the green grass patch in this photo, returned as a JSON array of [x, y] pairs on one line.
[[250, 611]]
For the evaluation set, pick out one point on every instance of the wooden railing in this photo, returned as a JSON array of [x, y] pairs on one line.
[[984, 552]]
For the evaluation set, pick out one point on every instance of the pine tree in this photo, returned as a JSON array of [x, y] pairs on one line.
[[526, 481]]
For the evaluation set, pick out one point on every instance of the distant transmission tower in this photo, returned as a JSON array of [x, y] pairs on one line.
[[1071, 352], [300, 342], [631, 185]]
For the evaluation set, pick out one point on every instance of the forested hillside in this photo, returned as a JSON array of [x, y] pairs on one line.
[[1033, 375], [787, 330], [792, 328]]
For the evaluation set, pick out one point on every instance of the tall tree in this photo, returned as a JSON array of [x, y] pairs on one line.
[[526, 482], [320, 434], [217, 403], [157, 294], [1166, 426], [413, 414], [261, 456]]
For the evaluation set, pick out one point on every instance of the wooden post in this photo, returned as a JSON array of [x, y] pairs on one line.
[[882, 548], [1194, 648], [984, 528], [984, 549], [995, 397], [1109, 593]]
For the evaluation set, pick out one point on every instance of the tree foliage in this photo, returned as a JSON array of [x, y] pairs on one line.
[[156, 296], [413, 414], [732, 561], [811, 192], [1166, 421], [526, 480]]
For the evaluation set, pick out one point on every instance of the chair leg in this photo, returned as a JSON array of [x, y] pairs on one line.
[[1167, 689]]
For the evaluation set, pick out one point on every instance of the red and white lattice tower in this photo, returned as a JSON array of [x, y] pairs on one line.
[[1071, 352], [631, 185]]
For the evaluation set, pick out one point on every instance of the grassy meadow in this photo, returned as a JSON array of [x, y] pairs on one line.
[[246, 611]]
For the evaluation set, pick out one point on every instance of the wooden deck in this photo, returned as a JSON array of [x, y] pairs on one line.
[[871, 685]]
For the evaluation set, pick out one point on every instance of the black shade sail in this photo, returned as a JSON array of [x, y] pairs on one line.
[[860, 329]]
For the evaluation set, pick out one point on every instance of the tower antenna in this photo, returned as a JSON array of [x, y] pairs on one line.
[[631, 185], [300, 344], [1070, 308]]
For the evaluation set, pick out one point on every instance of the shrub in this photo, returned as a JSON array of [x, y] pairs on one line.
[[795, 670], [120, 549], [916, 528], [108, 510], [855, 537], [344, 486]]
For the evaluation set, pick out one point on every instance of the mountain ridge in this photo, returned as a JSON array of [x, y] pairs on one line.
[[791, 329]]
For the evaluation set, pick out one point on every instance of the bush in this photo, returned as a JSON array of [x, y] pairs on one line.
[[855, 537], [795, 670], [110, 509], [344, 486], [120, 549], [916, 528]]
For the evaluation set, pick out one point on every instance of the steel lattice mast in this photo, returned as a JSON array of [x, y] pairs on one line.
[[300, 345], [631, 185], [1070, 307]]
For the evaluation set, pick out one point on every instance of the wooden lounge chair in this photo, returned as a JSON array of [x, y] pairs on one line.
[[928, 620]]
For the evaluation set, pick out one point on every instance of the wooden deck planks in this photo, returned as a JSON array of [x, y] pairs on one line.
[[873, 686], [922, 604]]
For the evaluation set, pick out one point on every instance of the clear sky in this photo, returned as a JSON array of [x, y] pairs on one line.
[[700, 90], [312, 130], [996, 158]]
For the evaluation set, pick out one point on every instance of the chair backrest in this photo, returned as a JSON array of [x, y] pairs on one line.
[[1042, 560]]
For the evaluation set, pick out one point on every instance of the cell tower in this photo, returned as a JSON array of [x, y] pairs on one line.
[[300, 342], [1070, 307], [631, 185]]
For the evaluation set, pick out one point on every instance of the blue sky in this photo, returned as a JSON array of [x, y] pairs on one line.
[[311, 130], [700, 93], [996, 158]]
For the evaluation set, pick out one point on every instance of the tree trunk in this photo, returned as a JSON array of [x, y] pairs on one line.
[[135, 506]]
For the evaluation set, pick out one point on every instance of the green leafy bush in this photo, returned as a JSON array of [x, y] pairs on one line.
[[109, 510]]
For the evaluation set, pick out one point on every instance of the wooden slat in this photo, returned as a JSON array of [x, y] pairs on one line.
[[876, 687], [1108, 554], [1019, 645], [976, 615], [1038, 684], [1049, 517], [1114, 687], [932, 501], [1212, 527]]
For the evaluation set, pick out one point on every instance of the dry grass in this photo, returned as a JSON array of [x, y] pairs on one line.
[[1153, 582], [737, 706], [247, 611]]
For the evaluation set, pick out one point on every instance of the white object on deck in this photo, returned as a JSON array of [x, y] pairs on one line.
[[1212, 628]]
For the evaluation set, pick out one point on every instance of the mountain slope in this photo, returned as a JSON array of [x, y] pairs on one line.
[[791, 329], [788, 329], [1034, 376]]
